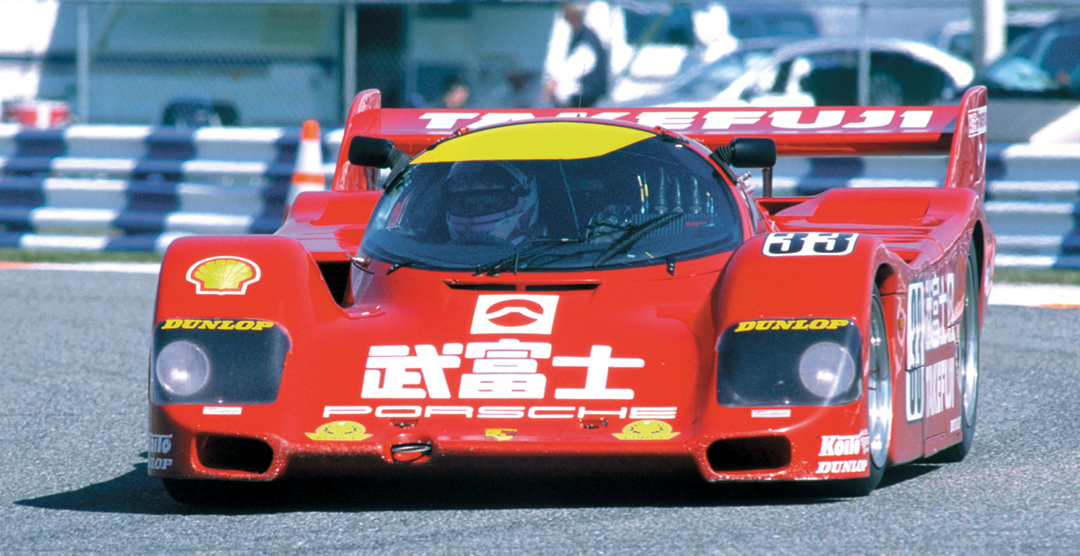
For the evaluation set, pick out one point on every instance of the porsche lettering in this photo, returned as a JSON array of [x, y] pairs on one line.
[[501, 411]]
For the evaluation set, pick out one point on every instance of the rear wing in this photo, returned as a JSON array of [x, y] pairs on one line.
[[958, 131]]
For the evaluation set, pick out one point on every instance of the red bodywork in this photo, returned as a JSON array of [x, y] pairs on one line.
[[631, 355]]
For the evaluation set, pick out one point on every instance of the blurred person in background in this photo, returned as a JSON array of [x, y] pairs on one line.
[[580, 77], [455, 92]]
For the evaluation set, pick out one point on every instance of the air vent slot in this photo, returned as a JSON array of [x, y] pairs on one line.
[[482, 287], [561, 287], [336, 276]]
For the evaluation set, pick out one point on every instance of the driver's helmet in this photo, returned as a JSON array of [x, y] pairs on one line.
[[491, 198]]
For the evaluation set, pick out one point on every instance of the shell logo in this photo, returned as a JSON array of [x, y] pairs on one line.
[[340, 431], [500, 434], [223, 275], [646, 430]]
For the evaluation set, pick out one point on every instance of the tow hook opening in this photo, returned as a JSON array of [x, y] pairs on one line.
[[413, 452]]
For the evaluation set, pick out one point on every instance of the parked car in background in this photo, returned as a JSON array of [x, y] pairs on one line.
[[955, 36], [36, 112], [818, 72], [1045, 63], [666, 40]]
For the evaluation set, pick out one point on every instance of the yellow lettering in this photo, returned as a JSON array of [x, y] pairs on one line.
[[208, 325], [745, 325], [764, 324], [172, 323], [244, 325], [226, 325], [190, 324], [799, 325], [819, 324], [783, 325], [837, 323], [263, 324]]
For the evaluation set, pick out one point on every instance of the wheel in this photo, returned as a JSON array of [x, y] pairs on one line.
[[878, 404], [967, 364]]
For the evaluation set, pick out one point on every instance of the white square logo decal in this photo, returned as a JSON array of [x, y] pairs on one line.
[[514, 314]]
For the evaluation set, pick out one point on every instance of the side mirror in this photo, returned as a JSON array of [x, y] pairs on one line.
[[751, 152], [371, 151]]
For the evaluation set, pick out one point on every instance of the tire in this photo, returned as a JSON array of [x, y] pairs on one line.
[[879, 408], [967, 364]]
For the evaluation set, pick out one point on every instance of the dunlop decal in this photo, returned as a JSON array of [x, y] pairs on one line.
[[216, 324], [792, 324]]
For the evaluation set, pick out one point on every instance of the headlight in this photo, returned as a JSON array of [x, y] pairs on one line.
[[182, 368], [826, 369]]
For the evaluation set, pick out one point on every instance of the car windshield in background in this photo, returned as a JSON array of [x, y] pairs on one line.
[[651, 202], [1044, 63]]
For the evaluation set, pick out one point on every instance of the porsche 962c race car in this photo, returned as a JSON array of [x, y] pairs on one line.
[[585, 292]]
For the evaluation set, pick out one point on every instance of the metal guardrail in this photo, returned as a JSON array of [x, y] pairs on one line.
[[132, 188]]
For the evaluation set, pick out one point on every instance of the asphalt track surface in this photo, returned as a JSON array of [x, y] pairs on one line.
[[73, 465]]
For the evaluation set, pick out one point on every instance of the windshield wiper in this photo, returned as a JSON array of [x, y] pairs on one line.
[[633, 233], [534, 249]]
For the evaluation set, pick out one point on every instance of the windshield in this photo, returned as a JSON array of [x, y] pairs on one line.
[[1042, 62], [650, 202]]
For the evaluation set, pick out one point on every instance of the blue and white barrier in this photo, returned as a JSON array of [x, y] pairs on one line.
[[134, 188]]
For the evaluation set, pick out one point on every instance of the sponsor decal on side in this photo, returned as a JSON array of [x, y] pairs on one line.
[[646, 430], [802, 244], [792, 324], [216, 324], [160, 443], [704, 121], [340, 431], [976, 121], [770, 413], [845, 445], [500, 434], [223, 275], [503, 369], [221, 410], [844, 466], [514, 314], [930, 377]]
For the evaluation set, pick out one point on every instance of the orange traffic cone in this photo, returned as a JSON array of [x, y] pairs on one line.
[[307, 174]]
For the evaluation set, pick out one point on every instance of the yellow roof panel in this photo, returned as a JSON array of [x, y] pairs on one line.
[[535, 141]]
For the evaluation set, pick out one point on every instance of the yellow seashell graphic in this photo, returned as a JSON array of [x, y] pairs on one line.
[[500, 434], [223, 275], [646, 430], [340, 431]]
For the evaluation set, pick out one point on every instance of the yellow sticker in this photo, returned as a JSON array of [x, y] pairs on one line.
[[500, 434], [646, 430], [223, 275], [340, 431]]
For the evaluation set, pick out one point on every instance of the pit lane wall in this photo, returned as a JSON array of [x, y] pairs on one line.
[[135, 188]]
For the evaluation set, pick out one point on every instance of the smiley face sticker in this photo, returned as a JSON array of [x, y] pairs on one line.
[[646, 430]]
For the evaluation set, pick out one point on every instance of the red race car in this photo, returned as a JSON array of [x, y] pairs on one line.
[[579, 292]]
